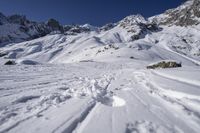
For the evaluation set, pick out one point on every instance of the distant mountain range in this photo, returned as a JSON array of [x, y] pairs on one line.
[[17, 28], [176, 30]]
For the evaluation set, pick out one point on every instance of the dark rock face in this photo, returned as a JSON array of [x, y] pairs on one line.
[[3, 54], [54, 25], [3, 19], [75, 29], [138, 26], [185, 15], [10, 63], [107, 27], [18, 28], [18, 19], [196, 8]]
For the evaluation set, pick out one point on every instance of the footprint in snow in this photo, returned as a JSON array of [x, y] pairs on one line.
[[25, 99], [144, 126], [113, 101]]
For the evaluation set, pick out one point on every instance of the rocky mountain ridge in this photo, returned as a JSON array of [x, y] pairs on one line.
[[187, 14], [17, 28]]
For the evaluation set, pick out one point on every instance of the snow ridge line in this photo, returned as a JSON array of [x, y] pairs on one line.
[[171, 99], [21, 121], [191, 82], [75, 121], [186, 110], [186, 57], [84, 122], [153, 88], [147, 106]]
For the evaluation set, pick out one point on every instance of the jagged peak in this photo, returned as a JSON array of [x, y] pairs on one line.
[[134, 19], [90, 27], [18, 19], [186, 14], [2, 15]]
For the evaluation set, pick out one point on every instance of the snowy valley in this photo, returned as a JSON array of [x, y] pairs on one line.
[[87, 79]]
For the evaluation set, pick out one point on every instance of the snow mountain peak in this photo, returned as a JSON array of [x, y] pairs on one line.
[[134, 19], [186, 14]]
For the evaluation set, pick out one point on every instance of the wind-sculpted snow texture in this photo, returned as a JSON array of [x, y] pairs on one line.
[[98, 97], [87, 79]]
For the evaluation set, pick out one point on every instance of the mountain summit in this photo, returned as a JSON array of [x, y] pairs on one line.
[[185, 15]]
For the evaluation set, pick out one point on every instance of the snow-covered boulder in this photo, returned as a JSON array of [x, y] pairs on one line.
[[164, 64]]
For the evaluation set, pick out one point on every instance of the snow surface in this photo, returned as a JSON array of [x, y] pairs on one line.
[[97, 81], [90, 97], [104, 87]]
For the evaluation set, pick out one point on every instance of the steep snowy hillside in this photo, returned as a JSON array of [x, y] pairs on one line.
[[177, 43], [87, 79]]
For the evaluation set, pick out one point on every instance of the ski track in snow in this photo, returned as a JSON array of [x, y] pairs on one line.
[[104, 99], [175, 99]]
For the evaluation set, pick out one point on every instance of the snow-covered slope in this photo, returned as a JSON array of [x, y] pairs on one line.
[[87, 79], [99, 97], [177, 43]]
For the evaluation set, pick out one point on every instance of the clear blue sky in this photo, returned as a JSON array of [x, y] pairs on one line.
[[95, 12]]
